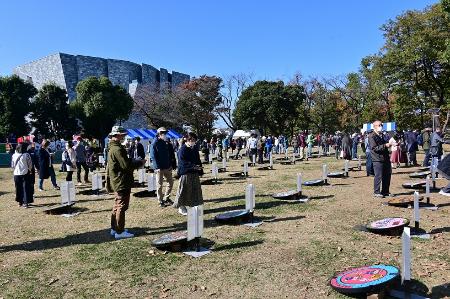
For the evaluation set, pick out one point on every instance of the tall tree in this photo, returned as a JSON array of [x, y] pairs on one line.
[[51, 114], [15, 96], [100, 105], [230, 93], [197, 101], [268, 106]]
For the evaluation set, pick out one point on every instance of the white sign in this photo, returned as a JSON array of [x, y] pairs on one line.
[[246, 167], [254, 159], [406, 255], [224, 163], [325, 172], [141, 175], [250, 197], [299, 182], [427, 188], [271, 160], [97, 182], [67, 193], [151, 182], [101, 159], [416, 208], [215, 170], [210, 158], [195, 222], [228, 156]]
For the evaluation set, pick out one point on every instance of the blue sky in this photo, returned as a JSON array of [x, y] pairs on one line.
[[271, 39]]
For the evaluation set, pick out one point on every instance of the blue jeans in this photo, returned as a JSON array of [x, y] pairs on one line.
[[426, 160], [52, 178], [309, 150], [369, 164]]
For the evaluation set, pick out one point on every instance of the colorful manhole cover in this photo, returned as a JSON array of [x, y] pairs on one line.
[[366, 279]]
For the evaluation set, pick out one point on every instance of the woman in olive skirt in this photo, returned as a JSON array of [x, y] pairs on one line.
[[189, 193]]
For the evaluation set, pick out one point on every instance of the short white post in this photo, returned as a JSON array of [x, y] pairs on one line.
[[270, 161], [254, 160], [325, 173], [224, 164], [406, 255], [427, 189], [214, 170], [286, 152], [416, 211], [210, 158], [250, 197], [299, 184], [195, 224], [141, 175], [246, 168], [346, 168], [151, 182], [67, 193], [228, 156], [293, 157], [433, 175], [359, 163]]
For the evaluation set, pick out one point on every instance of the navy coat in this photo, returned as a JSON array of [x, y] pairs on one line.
[[44, 164]]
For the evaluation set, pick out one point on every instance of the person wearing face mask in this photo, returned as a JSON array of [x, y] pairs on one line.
[[189, 192], [379, 151], [119, 179], [163, 160]]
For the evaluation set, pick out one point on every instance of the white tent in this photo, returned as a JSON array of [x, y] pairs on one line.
[[241, 133]]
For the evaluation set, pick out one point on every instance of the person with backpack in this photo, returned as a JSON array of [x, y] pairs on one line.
[[69, 160], [22, 165], [425, 142]]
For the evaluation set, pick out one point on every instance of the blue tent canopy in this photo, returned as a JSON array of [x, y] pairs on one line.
[[387, 126], [145, 134], [173, 134]]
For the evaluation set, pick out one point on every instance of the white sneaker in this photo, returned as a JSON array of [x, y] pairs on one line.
[[444, 193], [182, 211], [123, 235], [113, 232]]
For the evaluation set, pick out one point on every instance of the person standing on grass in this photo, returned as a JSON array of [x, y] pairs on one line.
[[22, 165], [31, 150], [310, 142], [369, 164], [380, 160], [189, 193], [81, 161], [252, 144], [163, 159], [119, 179], [426, 144], [46, 166], [70, 160]]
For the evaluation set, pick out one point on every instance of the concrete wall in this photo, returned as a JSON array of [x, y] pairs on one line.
[[122, 72]]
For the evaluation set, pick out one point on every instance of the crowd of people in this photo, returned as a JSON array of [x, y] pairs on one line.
[[383, 151]]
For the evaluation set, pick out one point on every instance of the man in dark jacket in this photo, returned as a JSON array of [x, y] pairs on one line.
[[380, 160], [163, 160], [137, 149], [120, 179]]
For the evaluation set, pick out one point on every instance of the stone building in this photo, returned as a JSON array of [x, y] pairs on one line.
[[67, 70]]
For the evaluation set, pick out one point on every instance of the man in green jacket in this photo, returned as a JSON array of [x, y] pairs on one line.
[[120, 179]]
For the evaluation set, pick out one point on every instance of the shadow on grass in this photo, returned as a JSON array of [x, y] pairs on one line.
[[237, 245], [321, 197], [92, 237], [441, 291], [259, 206], [47, 196], [443, 205], [445, 229], [285, 219]]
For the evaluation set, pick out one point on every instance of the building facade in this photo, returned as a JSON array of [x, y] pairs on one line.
[[67, 70]]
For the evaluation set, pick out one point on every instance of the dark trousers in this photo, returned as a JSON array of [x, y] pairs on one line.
[[369, 164], [23, 186], [426, 160], [121, 204], [69, 176], [412, 160], [86, 172], [382, 177], [260, 156], [52, 178]]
